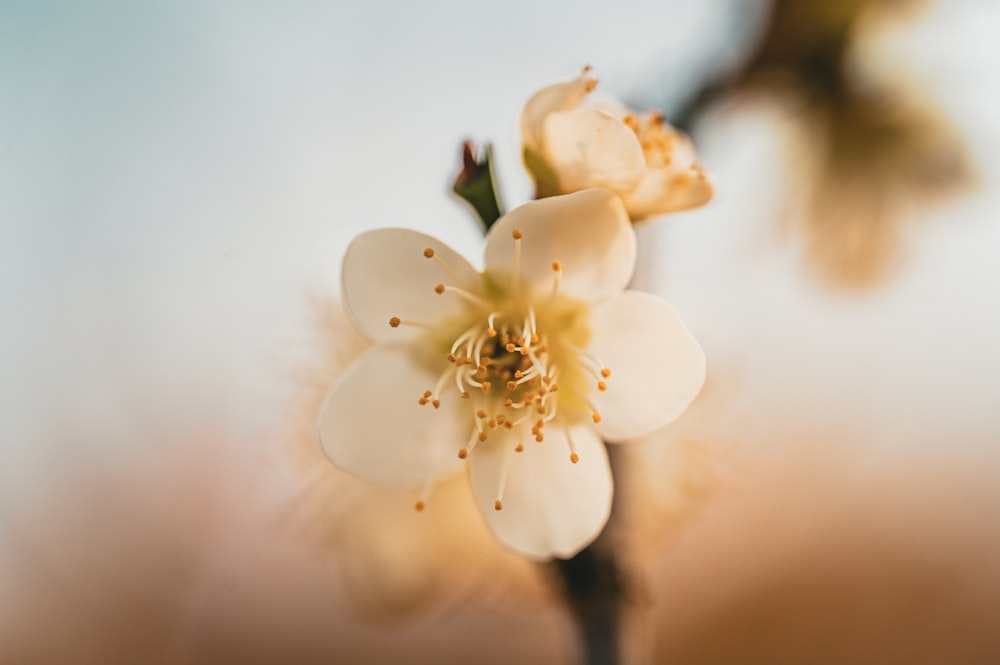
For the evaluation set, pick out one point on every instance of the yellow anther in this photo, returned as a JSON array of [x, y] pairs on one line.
[[534, 338], [482, 371], [395, 321], [512, 385], [439, 289], [463, 453], [419, 506], [492, 424], [554, 387], [557, 266], [485, 385], [452, 358], [518, 374], [491, 332], [574, 458], [508, 403], [602, 386], [498, 505], [465, 394], [542, 391], [423, 401], [508, 425], [590, 85], [427, 393], [519, 448], [605, 372], [482, 436], [481, 413], [429, 253], [517, 234], [511, 347], [539, 437], [546, 379], [436, 404], [596, 417], [540, 423]]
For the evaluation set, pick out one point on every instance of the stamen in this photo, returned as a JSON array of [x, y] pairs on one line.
[[557, 269], [430, 254], [502, 483], [573, 457], [474, 299], [425, 494], [515, 278], [395, 322]]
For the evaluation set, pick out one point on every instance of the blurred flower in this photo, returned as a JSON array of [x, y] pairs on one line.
[[569, 147], [511, 368]]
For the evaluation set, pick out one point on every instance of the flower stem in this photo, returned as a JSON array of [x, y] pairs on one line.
[[475, 184]]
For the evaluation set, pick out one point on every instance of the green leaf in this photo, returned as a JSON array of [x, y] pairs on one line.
[[475, 184]]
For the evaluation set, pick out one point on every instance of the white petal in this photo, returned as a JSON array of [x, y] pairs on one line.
[[591, 148], [386, 274], [588, 232], [551, 506], [668, 190], [558, 97], [373, 427], [656, 363]]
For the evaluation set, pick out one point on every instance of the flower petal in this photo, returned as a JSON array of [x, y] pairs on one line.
[[558, 97], [386, 274], [668, 190], [371, 425], [551, 506], [591, 148], [656, 363], [588, 232]]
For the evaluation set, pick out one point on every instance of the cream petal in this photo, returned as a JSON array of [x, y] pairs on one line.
[[657, 365], [666, 190], [588, 232], [386, 274], [372, 426], [551, 506], [591, 148], [558, 97]]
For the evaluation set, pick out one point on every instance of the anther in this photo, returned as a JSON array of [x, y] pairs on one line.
[[491, 332], [439, 289], [602, 386], [512, 385], [436, 404], [395, 321], [574, 458], [419, 506], [429, 253], [423, 401], [517, 235], [597, 417], [492, 424], [519, 448], [511, 347], [508, 403], [557, 266], [427, 393], [605, 372], [485, 385], [465, 394], [452, 358], [481, 413], [463, 453], [482, 436], [498, 505]]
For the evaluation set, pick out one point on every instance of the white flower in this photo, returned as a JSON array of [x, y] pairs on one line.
[[518, 371], [569, 147]]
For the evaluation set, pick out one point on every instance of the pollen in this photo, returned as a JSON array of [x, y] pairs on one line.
[[429, 253], [395, 321], [439, 289], [517, 235], [498, 505], [602, 386], [574, 458]]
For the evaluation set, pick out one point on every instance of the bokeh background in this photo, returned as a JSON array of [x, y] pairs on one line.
[[178, 184]]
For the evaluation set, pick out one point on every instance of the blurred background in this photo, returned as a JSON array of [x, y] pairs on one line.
[[179, 182]]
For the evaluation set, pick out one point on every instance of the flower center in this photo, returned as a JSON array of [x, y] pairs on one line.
[[517, 364], [657, 140]]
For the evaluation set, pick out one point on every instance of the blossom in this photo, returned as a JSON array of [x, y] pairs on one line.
[[520, 372], [569, 146]]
